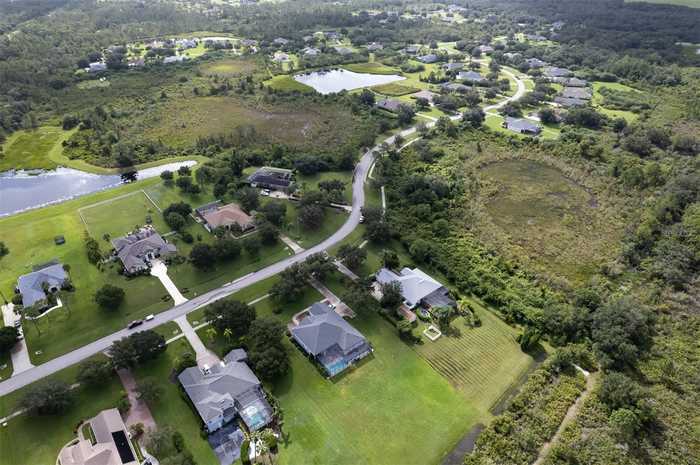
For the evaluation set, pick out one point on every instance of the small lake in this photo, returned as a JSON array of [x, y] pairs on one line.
[[328, 82], [24, 190]]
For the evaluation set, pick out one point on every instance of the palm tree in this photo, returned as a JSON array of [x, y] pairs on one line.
[[211, 333], [228, 333], [257, 438]]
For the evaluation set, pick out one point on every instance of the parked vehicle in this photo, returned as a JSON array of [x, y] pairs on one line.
[[150, 317], [134, 324]]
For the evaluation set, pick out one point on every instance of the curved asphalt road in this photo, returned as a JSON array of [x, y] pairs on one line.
[[358, 200]]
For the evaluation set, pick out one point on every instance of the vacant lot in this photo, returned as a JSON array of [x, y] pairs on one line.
[[548, 217], [31, 149], [181, 122], [286, 83], [372, 68], [229, 67]]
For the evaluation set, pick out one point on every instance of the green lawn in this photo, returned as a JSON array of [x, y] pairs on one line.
[[481, 362], [30, 149], [38, 440], [286, 83], [171, 409], [390, 404], [122, 215], [308, 238], [30, 238], [163, 196], [394, 90], [371, 68]]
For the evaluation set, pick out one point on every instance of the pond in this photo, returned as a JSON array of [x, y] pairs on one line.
[[24, 190], [328, 82]]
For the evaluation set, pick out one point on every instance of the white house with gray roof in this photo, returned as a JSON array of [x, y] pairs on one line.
[[226, 390], [333, 342], [522, 126], [34, 286], [137, 249], [417, 288]]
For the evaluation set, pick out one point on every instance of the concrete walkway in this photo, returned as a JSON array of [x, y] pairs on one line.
[[296, 248], [203, 355], [345, 270], [139, 411], [160, 271], [19, 353], [340, 308]]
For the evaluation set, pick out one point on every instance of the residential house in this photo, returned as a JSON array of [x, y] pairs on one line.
[[411, 49], [471, 76], [535, 37], [329, 339], [311, 51], [331, 35], [214, 215], [485, 49], [137, 249], [430, 58], [186, 43], [575, 82], [570, 102], [374, 46], [97, 67], [454, 87], [418, 289], [456, 9], [555, 72], [580, 93], [512, 55], [454, 66], [344, 50], [389, 105], [425, 94], [249, 42], [174, 59], [280, 41], [535, 63], [267, 177], [280, 57], [137, 63], [522, 126], [34, 286], [108, 443], [225, 391]]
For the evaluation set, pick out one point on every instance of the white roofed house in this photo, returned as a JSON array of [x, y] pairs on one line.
[[97, 67], [418, 289], [522, 126], [107, 443]]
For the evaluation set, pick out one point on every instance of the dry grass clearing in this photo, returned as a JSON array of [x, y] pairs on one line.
[[181, 122], [229, 67]]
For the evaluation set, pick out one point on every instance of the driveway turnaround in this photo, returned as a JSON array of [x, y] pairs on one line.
[[358, 200]]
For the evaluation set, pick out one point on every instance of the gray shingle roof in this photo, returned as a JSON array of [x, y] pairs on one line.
[[323, 329], [31, 285], [416, 285], [273, 177], [229, 384], [470, 76], [522, 125], [580, 93], [134, 248]]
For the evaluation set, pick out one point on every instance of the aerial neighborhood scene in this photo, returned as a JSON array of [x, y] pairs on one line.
[[376, 232]]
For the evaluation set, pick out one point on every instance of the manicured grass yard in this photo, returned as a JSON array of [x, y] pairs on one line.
[[30, 149], [122, 215], [310, 182], [481, 362], [392, 408], [394, 90], [286, 83]]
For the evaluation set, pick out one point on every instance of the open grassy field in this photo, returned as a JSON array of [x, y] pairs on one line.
[[30, 238], [394, 90], [180, 122], [122, 215], [31, 149], [310, 182], [480, 362], [38, 440], [548, 217], [371, 68], [599, 101], [229, 67]]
